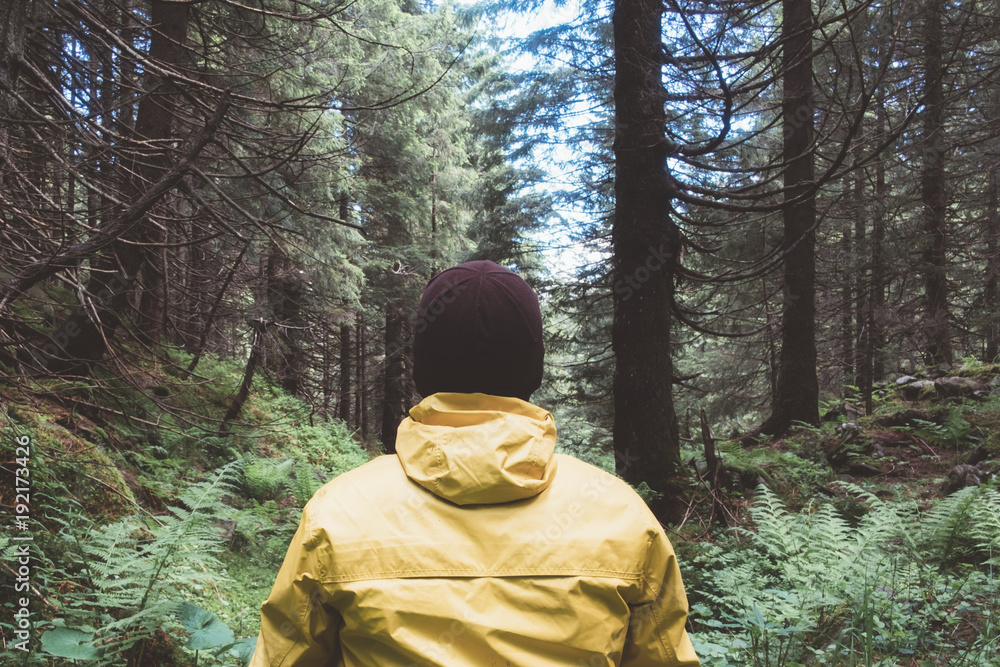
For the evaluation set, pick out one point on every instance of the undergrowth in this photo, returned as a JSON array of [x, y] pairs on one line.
[[810, 587], [155, 536]]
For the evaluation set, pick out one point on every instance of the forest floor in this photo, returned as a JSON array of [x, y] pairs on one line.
[[868, 540], [156, 534]]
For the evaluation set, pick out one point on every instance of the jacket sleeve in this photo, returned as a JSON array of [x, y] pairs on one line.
[[298, 627], [656, 635]]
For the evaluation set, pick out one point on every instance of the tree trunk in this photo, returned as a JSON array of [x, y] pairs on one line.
[[394, 394], [116, 267], [154, 125], [932, 191], [199, 348], [798, 386], [361, 383], [645, 242], [344, 399], [13, 18], [851, 280], [259, 329], [874, 314], [284, 296], [991, 293]]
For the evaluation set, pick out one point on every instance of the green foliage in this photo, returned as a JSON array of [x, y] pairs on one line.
[[70, 643], [953, 432], [963, 527], [795, 471], [124, 579], [263, 478], [809, 586], [266, 479], [647, 494], [207, 631]]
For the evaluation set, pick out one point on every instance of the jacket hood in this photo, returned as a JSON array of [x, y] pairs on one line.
[[476, 448]]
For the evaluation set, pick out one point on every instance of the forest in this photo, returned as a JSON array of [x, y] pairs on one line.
[[765, 235]]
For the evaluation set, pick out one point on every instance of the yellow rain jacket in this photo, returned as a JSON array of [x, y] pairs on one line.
[[476, 545]]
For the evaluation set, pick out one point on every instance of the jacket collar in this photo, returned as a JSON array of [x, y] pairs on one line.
[[477, 448]]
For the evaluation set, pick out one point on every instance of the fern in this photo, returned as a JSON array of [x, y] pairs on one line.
[[305, 482], [882, 587], [264, 478], [128, 577], [985, 525], [947, 530], [955, 430]]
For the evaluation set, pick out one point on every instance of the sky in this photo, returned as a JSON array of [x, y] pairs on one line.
[[562, 256]]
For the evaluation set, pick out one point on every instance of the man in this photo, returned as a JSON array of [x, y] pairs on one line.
[[475, 544]]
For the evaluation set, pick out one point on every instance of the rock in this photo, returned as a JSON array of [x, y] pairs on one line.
[[901, 418], [852, 411], [995, 382], [906, 379], [961, 476], [863, 470], [847, 410], [939, 371], [956, 386], [978, 455], [919, 390], [227, 528], [849, 432], [837, 455]]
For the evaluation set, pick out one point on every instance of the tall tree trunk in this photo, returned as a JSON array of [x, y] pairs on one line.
[[284, 295], [991, 292], [875, 341], [361, 383], [932, 191], [871, 365], [326, 386], [154, 125], [13, 20], [798, 386], [850, 277], [394, 394], [115, 269], [344, 399], [259, 331], [645, 242]]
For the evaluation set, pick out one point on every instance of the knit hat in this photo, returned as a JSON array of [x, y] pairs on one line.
[[478, 329]]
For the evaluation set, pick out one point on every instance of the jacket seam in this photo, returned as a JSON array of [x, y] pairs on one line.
[[643, 569], [463, 573]]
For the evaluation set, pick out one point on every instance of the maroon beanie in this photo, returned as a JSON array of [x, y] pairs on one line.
[[478, 329]]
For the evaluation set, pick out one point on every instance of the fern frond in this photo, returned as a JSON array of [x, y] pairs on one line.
[[947, 524]]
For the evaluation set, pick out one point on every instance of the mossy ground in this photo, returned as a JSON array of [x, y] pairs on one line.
[[117, 447]]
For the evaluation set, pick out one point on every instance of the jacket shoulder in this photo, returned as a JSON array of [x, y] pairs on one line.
[[600, 488], [381, 467]]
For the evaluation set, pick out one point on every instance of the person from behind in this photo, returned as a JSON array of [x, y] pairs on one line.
[[475, 544]]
